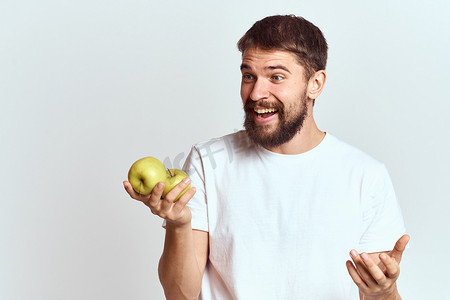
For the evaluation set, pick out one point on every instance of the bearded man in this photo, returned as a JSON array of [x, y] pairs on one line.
[[276, 209]]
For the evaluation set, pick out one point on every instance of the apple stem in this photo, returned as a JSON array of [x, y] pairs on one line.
[[140, 186], [170, 172]]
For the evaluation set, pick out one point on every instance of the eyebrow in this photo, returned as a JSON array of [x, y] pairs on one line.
[[245, 66], [281, 67]]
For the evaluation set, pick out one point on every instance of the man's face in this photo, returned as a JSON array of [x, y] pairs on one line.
[[273, 91]]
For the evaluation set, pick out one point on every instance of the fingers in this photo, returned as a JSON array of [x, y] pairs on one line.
[[167, 208], [375, 277], [169, 200], [367, 274], [176, 191], [373, 269], [181, 203], [355, 275], [360, 265], [392, 267], [399, 247], [155, 196], [133, 194]]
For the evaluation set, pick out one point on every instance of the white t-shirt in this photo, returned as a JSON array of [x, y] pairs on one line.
[[281, 226]]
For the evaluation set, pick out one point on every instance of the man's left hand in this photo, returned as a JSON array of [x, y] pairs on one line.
[[376, 274]]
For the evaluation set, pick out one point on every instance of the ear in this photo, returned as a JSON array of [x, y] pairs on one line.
[[316, 84]]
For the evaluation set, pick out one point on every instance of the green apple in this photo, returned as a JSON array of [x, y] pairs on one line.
[[146, 172], [174, 176]]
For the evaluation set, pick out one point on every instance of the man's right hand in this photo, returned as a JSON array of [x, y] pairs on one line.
[[185, 251], [176, 213]]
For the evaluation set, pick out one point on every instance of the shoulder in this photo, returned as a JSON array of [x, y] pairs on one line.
[[346, 156], [217, 155], [350, 153], [227, 145], [236, 138]]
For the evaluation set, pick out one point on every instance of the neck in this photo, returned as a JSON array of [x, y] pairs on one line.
[[306, 139]]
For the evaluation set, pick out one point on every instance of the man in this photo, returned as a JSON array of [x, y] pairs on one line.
[[278, 207]]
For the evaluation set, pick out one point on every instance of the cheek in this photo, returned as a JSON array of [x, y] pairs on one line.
[[282, 94], [289, 94], [244, 92]]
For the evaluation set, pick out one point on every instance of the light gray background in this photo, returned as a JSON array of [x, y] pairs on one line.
[[88, 87]]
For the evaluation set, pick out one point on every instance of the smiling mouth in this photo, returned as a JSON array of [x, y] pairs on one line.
[[262, 113]]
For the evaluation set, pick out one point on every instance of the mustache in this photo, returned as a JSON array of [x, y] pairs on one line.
[[250, 105]]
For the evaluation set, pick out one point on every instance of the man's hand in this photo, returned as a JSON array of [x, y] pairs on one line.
[[376, 274], [176, 213]]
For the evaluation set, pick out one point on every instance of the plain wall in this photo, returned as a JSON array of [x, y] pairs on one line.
[[88, 87]]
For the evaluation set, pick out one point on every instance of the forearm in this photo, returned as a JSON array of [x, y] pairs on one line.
[[179, 271]]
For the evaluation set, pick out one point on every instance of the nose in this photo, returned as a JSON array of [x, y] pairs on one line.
[[260, 90]]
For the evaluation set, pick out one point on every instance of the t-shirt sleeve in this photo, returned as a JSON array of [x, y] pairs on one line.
[[193, 166], [382, 219]]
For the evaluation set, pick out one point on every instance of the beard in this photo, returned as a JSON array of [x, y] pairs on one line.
[[290, 122]]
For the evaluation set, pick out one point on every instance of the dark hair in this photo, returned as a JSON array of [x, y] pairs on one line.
[[290, 33]]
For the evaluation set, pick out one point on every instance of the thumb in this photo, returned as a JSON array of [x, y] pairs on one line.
[[399, 247]]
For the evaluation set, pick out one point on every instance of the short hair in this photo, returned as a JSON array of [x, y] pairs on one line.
[[290, 33]]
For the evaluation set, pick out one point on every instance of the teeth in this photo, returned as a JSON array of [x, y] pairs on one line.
[[265, 110]]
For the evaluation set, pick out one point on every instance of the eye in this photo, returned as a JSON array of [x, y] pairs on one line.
[[277, 77], [247, 77]]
